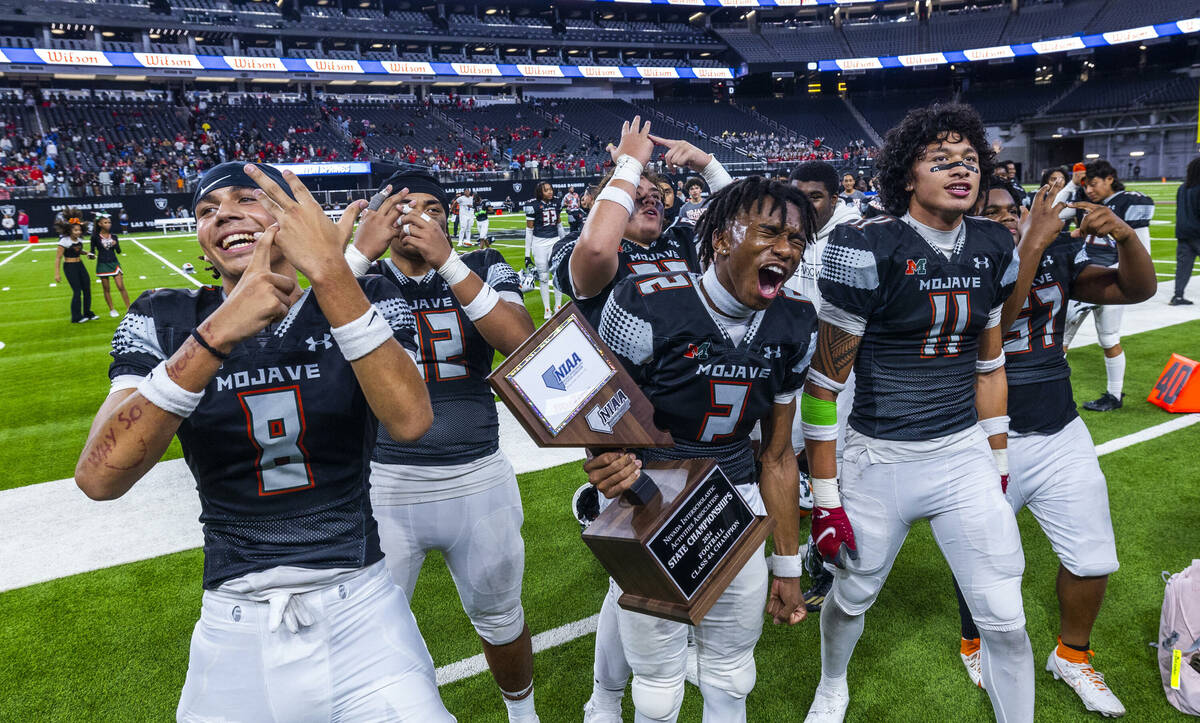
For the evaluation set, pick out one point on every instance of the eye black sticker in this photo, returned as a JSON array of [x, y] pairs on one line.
[[948, 166]]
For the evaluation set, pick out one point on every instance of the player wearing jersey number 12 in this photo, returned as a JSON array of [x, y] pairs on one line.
[[275, 393], [453, 490]]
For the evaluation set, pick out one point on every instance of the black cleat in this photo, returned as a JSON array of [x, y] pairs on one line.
[[1178, 301], [822, 579], [585, 505], [1106, 403]]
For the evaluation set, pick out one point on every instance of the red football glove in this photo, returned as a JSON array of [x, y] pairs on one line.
[[1004, 483], [833, 535]]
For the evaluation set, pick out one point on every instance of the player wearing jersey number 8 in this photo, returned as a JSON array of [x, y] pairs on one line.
[[274, 393]]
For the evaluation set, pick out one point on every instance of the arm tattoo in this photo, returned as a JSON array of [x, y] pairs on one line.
[[836, 351]]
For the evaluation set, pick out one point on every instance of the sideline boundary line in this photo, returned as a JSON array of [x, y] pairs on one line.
[[563, 634], [170, 265]]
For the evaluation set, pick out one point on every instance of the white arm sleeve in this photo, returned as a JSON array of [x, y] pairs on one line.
[[844, 320]]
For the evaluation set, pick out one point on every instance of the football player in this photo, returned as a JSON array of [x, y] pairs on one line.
[[466, 216], [274, 392], [453, 490], [757, 336], [481, 221], [818, 181], [911, 300], [1053, 468], [543, 229], [620, 239], [575, 214], [1102, 186]]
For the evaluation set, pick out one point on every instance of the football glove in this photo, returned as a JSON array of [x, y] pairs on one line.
[[831, 530]]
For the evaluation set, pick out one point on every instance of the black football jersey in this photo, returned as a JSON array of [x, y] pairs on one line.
[[544, 215], [706, 392], [1039, 386], [672, 251], [924, 313], [1134, 209], [455, 360], [279, 445]]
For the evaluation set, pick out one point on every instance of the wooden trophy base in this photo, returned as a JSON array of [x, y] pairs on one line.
[[674, 557]]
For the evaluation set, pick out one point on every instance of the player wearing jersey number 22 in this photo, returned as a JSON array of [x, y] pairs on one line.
[[274, 393]]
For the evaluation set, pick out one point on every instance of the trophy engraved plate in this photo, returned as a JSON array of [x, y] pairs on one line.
[[675, 540], [701, 532]]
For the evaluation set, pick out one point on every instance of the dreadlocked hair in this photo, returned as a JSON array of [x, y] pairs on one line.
[[746, 196], [906, 142]]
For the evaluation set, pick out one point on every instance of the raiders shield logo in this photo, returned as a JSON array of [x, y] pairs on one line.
[[517, 187], [8, 209], [160, 204]]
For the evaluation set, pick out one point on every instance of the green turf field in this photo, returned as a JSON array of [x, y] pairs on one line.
[[111, 645]]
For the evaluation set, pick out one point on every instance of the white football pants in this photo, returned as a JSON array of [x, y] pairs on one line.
[[361, 659], [542, 248]]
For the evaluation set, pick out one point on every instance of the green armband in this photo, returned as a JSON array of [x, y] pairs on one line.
[[817, 411]]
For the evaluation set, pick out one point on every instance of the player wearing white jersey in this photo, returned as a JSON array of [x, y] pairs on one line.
[[466, 216], [1101, 185], [453, 490]]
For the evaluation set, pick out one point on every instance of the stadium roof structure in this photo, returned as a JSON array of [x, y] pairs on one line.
[[1043, 47]]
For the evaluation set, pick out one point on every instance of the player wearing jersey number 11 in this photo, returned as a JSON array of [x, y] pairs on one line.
[[912, 302], [275, 393]]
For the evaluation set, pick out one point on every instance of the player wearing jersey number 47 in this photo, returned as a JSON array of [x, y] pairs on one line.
[[453, 490], [912, 303], [758, 336], [274, 393], [1052, 461]]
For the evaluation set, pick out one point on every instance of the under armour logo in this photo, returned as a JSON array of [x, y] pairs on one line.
[[772, 352], [1047, 261], [981, 262], [324, 342]]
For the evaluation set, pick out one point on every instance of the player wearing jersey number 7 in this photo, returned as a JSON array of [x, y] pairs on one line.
[[624, 235], [275, 393], [1053, 466], [756, 337], [912, 302]]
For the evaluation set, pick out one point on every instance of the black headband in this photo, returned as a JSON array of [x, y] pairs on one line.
[[418, 183], [233, 174]]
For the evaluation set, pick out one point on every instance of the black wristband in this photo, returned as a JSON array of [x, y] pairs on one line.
[[200, 340]]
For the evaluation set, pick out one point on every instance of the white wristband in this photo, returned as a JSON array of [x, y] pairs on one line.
[[628, 169], [618, 196], [357, 260], [160, 389], [716, 176], [482, 304], [984, 366], [825, 382], [1001, 457], [825, 492], [787, 565], [994, 425], [454, 270], [363, 335], [819, 432]]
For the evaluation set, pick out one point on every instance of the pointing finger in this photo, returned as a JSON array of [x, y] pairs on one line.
[[350, 214], [663, 141], [261, 259], [1085, 206]]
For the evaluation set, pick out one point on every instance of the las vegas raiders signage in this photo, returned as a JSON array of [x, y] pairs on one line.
[[676, 539]]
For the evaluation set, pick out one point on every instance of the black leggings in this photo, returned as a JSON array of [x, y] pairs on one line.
[[1185, 257], [81, 290]]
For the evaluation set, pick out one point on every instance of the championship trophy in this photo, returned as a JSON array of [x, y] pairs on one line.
[[676, 539]]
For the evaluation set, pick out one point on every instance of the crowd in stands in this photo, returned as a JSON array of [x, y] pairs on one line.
[[773, 147]]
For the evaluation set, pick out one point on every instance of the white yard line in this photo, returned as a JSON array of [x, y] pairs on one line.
[[173, 267], [1146, 316], [15, 254], [476, 664]]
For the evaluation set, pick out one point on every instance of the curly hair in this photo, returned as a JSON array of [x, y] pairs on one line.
[[906, 142], [744, 196], [1103, 169]]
